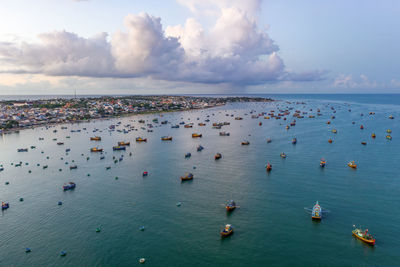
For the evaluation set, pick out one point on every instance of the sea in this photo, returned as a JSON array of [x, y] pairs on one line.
[[172, 223]]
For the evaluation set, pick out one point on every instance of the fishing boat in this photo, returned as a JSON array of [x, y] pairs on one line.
[[364, 143], [166, 138], [224, 134], [217, 156], [188, 176], [362, 127], [352, 164], [22, 150], [330, 141], [245, 143], [283, 155], [391, 117], [389, 137], [373, 135], [200, 148], [175, 126], [124, 143], [269, 140], [60, 143], [389, 131], [4, 205], [95, 149], [119, 148], [96, 138], [294, 141], [188, 155], [196, 135], [73, 167], [145, 173], [188, 126], [238, 118], [228, 230], [363, 235], [260, 123], [140, 139], [322, 163], [230, 206], [334, 131], [69, 186], [316, 213], [202, 124], [268, 167]]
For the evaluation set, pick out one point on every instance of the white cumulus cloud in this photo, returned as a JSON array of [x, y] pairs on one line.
[[234, 50]]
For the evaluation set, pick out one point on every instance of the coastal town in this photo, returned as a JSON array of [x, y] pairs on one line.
[[20, 114]]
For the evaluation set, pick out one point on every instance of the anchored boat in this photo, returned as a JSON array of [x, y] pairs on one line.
[[322, 163], [316, 213], [268, 167], [352, 164], [124, 143], [188, 176], [228, 230], [69, 186], [363, 235], [196, 135], [230, 206]]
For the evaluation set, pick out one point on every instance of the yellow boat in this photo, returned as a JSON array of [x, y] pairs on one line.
[[373, 135], [364, 236], [245, 143], [96, 138], [166, 138], [95, 149], [124, 143], [195, 135], [352, 164], [334, 131], [389, 131], [140, 139], [188, 176]]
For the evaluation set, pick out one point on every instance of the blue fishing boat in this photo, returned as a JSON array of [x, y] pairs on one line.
[[69, 186], [4, 205], [119, 148], [228, 230]]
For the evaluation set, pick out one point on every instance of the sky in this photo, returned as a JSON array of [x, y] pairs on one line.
[[199, 46]]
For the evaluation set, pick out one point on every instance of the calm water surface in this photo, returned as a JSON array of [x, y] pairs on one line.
[[271, 225]]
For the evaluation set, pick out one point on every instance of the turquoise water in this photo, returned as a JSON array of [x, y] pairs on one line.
[[271, 225]]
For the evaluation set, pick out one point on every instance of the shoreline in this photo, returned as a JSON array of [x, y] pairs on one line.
[[50, 124]]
